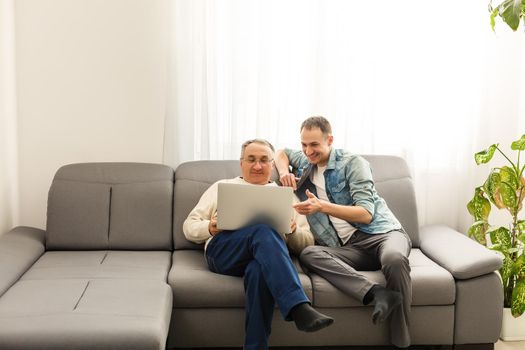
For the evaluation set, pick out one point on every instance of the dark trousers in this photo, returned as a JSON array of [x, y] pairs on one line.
[[259, 254], [366, 252]]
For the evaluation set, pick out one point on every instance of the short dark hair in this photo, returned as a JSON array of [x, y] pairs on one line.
[[259, 141], [317, 122]]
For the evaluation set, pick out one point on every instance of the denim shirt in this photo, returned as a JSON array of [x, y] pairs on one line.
[[349, 181]]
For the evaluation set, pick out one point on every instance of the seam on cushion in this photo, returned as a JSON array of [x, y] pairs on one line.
[[113, 183], [76, 313], [139, 268], [100, 278], [113, 314], [109, 216], [391, 179], [81, 296], [197, 181], [63, 267], [104, 258]]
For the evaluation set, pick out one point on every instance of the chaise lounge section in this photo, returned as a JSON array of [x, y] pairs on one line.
[[96, 278]]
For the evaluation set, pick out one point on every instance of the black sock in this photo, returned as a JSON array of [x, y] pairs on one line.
[[308, 319], [385, 301], [369, 296]]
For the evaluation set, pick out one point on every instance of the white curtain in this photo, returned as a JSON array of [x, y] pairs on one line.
[[8, 140], [431, 83]]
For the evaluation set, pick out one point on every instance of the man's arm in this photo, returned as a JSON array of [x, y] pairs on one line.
[[348, 213], [282, 163], [199, 225], [301, 237]]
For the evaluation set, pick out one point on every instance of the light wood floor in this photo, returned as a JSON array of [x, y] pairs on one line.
[[510, 345]]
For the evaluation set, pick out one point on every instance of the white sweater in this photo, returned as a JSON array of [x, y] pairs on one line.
[[196, 224]]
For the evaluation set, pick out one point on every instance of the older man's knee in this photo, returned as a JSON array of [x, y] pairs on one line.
[[265, 232]]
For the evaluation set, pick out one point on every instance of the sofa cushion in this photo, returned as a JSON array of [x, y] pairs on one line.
[[195, 286], [431, 285], [110, 206], [101, 265], [85, 314], [141, 215], [78, 215]]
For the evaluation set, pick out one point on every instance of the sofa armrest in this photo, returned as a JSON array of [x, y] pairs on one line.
[[19, 249], [463, 257]]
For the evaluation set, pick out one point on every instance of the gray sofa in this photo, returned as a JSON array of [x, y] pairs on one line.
[[113, 270]]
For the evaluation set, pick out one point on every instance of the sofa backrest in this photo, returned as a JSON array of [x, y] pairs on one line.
[[191, 180], [110, 206], [391, 174], [394, 183]]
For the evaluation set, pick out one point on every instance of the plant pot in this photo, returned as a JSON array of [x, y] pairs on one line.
[[512, 329]]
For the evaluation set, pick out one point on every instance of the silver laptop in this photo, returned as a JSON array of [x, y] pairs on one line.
[[239, 205]]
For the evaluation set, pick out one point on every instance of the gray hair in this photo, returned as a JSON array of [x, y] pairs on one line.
[[260, 142]]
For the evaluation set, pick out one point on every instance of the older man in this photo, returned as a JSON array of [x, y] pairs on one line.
[[258, 253]]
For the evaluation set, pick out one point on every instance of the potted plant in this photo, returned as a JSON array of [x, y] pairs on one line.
[[504, 188], [510, 11]]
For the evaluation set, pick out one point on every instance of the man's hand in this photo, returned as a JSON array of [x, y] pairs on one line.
[[309, 206], [282, 163], [212, 226], [289, 180]]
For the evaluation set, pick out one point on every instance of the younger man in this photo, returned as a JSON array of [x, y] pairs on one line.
[[353, 227]]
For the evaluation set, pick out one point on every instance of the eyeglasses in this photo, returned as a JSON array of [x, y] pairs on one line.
[[262, 161]]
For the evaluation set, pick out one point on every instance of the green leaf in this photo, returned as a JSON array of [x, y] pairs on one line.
[[479, 206], [509, 187], [499, 248], [506, 270], [518, 268], [491, 188], [510, 11], [508, 196], [520, 226], [500, 235], [486, 155], [519, 145], [493, 14], [509, 176], [477, 231], [518, 298]]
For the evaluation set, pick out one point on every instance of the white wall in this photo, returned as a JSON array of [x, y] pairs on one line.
[[8, 144], [91, 85], [91, 77]]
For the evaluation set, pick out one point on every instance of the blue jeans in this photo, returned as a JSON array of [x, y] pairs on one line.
[[259, 254]]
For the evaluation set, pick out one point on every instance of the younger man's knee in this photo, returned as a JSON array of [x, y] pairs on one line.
[[394, 259], [310, 253]]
